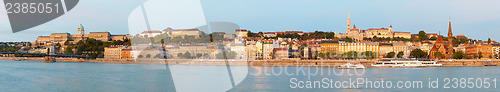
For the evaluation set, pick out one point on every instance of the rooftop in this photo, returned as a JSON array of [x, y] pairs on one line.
[[170, 29], [327, 41], [149, 32]]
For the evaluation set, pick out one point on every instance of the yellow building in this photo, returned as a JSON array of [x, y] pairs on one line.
[[182, 32], [192, 49], [495, 50], [242, 33], [406, 35], [125, 53], [329, 46], [401, 46], [374, 47], [251, 51], [385, 48], [267, 49], [113, 52], [345, 47], [281, 53]]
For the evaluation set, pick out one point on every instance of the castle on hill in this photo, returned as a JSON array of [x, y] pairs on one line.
[[61, 38]]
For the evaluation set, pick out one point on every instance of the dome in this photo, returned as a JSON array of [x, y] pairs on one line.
[[81, 27]]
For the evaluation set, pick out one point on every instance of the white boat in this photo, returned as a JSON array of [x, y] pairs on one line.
[[352, 65], [407, 63]]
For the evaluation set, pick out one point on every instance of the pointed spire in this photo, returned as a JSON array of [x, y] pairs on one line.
[[450, 36], [354, 26], [449, 28], [348, 21], [348, 16]]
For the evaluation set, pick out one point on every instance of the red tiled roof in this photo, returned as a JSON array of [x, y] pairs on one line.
[[243, 30], [294, 32], [376, 28], [431, 34], [439, 40]]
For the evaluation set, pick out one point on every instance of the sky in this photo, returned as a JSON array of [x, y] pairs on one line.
[[476, 19]]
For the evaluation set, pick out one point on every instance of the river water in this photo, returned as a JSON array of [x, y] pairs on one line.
[[25, 76]]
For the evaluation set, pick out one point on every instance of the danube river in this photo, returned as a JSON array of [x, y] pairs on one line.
[[28, 76]]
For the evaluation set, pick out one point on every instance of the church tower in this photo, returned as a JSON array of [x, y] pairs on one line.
[[450, 41], [348, 22]]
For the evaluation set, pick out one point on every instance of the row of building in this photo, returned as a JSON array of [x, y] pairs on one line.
[[61, 38], [258, 48]]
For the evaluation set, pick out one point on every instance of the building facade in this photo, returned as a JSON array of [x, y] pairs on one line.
[[113, 52]]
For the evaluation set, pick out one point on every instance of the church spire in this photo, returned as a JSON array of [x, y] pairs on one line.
[[348, 22], [450, 34], [450, 41]]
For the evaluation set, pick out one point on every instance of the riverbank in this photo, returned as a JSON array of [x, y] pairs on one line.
[[264, 63]]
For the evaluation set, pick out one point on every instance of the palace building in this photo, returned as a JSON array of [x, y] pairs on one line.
[[61, 38]]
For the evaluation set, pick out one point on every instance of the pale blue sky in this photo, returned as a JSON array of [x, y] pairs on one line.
[[477, 19]]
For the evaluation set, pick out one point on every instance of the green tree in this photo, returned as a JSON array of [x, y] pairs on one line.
[[352, 54], [495, 56], [438, 55], [418, 53], [69, 50], [187, 55], [390, 55], [480, 55], [368, 54], [333, 54], [199, 55], [347, 39], [489, 41], [249, 34], [90, 47], [148, 56], [400, 54], [157, 56], [327, 55], [180, 55], [321, 55], [205, 56], [459, 55], [140, 56], [422, 35]]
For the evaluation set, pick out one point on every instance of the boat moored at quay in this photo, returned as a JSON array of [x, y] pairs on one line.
[[406, 63]]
